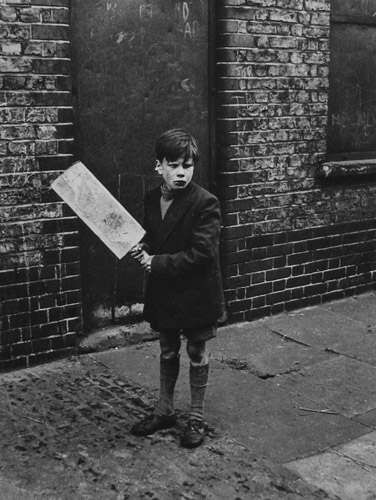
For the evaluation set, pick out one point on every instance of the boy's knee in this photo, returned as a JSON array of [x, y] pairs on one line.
[[169, 348], [169, 354], [197, 353]]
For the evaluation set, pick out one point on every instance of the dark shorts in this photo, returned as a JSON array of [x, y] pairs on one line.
[[197, 334]]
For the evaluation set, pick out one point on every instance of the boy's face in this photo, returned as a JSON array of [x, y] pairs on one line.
[[176, 174]]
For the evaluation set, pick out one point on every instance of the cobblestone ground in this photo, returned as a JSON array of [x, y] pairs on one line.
[[64, 431]]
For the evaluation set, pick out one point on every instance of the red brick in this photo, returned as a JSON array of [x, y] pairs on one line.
[[50, 32]]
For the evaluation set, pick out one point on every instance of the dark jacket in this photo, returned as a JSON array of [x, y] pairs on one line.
[[184, 288]]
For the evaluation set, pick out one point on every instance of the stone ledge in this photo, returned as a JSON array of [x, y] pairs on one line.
[[347, 168], [115, 337]]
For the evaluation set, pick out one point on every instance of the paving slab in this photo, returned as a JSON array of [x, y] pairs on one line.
[[316, 326], [361, 450], [362, 347], [368, 418], [347, 471], [254, 347], [361, 308], [262, 416], [342, 384], [322, 328], [269, 421]]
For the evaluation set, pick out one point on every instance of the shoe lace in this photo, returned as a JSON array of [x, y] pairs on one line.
[[195, 426]]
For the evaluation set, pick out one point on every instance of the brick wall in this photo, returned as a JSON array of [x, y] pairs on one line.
[[290, 238], [39, 258]]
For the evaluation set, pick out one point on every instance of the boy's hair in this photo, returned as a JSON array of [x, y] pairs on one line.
[[176, 143]]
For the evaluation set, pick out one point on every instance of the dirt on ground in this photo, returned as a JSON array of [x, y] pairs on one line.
[[64, 430]]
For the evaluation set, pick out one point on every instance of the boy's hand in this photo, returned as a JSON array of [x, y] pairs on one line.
[[146, 261], [142, 257], [136, 251]]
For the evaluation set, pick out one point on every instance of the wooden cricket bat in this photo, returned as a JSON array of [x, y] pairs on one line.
[[96, 206]]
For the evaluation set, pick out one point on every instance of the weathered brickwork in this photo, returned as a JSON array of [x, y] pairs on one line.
[[40, 297], [290, 240]]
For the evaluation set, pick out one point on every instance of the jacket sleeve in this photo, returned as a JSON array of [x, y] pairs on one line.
[[204, 245]]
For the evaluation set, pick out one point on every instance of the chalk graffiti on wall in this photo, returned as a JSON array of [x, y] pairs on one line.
[[353, 121], [185, 12], [359, 131], [143, 66], [146, 11], [368, 7], [358, 8], [187, 15]]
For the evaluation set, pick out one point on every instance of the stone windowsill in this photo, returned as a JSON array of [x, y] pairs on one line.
[[348, 168]]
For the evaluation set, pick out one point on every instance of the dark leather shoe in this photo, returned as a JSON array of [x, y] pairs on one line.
[[194, 434], [153, 423]]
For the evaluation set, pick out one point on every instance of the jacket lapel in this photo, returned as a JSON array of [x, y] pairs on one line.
[[154, 209], [172, 217], [174, 214]]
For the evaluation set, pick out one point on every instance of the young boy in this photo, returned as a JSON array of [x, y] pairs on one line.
[[184, 289]]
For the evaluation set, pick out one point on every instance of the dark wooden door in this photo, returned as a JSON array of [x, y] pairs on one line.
[[140, 68]]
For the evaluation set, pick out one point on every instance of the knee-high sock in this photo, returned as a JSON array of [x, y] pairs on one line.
[[169, 372], [198, 379]]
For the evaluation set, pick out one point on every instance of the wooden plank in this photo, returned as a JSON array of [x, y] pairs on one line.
[[96, 206]]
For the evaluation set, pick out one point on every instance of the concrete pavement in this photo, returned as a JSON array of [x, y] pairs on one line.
[[297, 388], [291, 409]]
